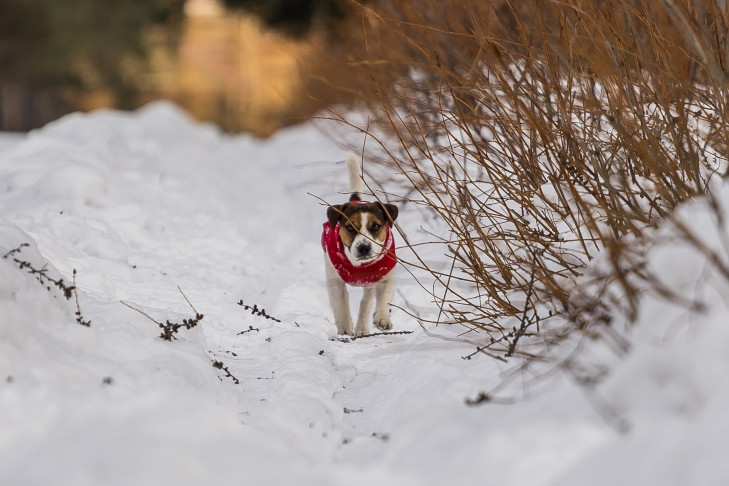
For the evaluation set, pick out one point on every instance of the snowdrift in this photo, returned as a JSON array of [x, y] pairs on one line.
[[152, 209]]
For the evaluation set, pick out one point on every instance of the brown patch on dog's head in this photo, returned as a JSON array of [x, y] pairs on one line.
[[390, 212], [350, 227], [335, 213], [349, 217]]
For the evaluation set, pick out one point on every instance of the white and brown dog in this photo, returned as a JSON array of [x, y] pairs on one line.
[[359, 250]]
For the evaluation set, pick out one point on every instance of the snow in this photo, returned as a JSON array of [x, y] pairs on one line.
[[152, 209]]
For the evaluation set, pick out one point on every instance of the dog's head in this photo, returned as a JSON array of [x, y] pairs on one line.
[[362, 228]]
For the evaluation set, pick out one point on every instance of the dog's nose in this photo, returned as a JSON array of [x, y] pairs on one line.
[[363, 249]]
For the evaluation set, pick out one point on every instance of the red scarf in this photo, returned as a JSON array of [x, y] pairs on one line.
[[360, 275]]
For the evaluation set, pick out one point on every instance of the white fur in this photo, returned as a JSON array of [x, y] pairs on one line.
[[356, 183], [364, 236], [382, 291]]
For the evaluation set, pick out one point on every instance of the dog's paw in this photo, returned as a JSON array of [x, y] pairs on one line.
[[361, 331], [382, 321], [345, 330]]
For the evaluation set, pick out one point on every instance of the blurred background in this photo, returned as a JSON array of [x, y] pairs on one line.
[[247, 65]]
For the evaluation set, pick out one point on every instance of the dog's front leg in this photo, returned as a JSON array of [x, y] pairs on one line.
[[339, 300], [385, 290], [365, 305]]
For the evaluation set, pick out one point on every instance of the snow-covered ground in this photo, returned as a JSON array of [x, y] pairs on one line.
[[142, 203]]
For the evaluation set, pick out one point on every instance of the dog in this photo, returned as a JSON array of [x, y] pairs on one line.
[[359, 250]]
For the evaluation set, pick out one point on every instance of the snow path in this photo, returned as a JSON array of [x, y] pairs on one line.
[[141, 203]]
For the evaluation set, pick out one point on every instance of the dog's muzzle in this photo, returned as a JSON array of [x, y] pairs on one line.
[[363, 251]]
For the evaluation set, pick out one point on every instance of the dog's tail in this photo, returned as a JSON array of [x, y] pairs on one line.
[[356, 183]]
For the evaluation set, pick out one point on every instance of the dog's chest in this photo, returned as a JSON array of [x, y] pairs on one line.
[[358, 275]]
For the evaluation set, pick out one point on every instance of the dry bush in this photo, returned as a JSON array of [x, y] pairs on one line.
[[544, 133]]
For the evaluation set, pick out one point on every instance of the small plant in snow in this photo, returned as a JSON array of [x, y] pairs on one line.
[[250, 329], [169, 329], [220, 366], [258, 312], [41, 275]]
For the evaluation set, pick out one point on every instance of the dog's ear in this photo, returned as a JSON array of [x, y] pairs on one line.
[[390, 211], [335, 213]]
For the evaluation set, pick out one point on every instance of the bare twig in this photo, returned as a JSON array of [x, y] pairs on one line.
[[386, 333], [169, 329], [221, 366], [41, 274]]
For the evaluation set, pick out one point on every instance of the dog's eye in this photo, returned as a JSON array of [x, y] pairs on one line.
[[376, 227], [350, 228]]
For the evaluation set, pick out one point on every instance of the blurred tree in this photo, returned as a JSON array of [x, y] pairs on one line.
[[54, 41], [66, 46], [53, 52]]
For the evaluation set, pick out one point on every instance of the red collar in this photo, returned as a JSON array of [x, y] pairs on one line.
[[361, 275]]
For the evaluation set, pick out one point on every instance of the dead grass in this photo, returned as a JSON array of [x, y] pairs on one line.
[[545, 134]]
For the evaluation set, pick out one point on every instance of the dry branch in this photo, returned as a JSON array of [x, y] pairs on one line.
[[545, 134]]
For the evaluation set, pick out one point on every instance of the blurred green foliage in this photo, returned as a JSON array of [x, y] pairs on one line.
[[48, 43]]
